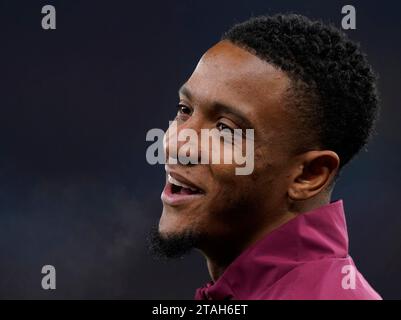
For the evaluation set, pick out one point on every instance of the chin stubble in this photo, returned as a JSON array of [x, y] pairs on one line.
[[173, 245]]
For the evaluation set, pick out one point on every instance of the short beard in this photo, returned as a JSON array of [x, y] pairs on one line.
[[172, 246]]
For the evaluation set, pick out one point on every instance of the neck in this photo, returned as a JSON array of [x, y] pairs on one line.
[[220, 255]]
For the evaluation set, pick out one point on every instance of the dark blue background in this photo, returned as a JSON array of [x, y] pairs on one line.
[[75, 105]]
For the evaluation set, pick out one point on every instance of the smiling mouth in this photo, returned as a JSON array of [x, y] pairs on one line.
[[178, 187], [177, 192]]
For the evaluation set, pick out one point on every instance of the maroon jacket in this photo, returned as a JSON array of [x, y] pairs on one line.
[[306, 258]]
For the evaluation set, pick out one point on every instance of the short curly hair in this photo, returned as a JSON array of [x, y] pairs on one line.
[[333, 85]]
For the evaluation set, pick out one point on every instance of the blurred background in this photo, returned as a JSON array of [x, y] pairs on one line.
[[76, 191]]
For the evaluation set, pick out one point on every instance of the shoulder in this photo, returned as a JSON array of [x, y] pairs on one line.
[[326, 279]]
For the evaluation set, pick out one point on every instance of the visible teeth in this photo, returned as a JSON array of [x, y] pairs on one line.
[[180, 184]]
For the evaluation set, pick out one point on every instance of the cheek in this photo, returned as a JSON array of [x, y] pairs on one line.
[[226, 177], [231, 190], [243, 192], [233, 207]]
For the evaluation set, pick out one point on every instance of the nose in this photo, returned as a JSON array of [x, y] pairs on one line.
[[182, 143]]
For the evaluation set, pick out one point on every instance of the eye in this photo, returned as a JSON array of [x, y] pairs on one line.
[[183, 109], [222, 126]]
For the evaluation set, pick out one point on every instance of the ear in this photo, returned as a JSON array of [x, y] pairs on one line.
[[315, 170]]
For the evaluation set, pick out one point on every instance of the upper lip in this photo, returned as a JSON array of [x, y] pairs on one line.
[[183, 180]]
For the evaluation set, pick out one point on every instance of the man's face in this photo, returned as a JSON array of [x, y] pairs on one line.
[[231, 89]]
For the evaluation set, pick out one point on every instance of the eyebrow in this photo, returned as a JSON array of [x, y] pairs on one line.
[[185, 92], [221, 108]]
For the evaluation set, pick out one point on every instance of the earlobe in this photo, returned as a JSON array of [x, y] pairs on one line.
[[314, 173]]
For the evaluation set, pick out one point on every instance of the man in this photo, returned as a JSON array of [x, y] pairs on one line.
[[310, 96]]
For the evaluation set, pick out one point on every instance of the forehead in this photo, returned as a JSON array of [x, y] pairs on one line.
[[229, 74]]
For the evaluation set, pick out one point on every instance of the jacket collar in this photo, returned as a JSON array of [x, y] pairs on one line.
[[317, 234]]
